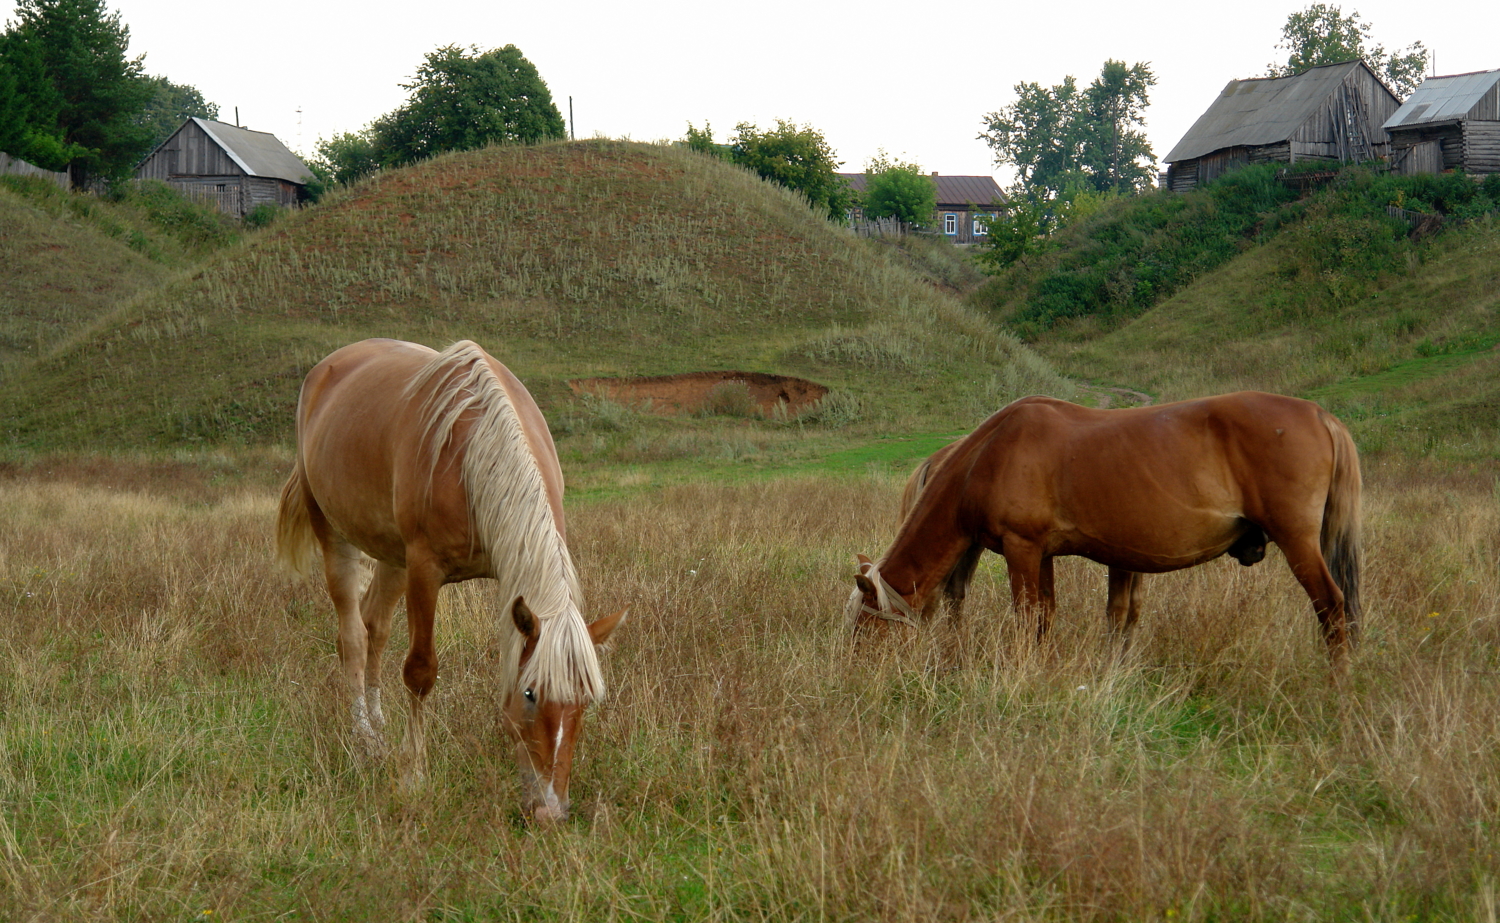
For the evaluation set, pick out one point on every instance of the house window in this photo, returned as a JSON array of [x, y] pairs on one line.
[[950, 223], [980, 228]]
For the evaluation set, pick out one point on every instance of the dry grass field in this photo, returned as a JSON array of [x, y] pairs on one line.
[[173, 745]]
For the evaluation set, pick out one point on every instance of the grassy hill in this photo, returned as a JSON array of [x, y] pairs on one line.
[[566, 260], [1321, 295], [69, 259]]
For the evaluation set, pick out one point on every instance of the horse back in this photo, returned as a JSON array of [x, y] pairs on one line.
[[383, 459], [1146, 488]]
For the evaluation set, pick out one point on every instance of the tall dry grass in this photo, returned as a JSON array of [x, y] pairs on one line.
[[173, 744]]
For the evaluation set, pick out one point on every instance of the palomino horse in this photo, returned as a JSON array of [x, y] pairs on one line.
[[1141, 490], [440, 467]]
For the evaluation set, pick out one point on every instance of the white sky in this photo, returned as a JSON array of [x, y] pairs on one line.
[[914, 79]]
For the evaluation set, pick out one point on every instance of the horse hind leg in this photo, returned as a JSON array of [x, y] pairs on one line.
[[1311, 571], [376, 608], [1124, 605], [343, 571]]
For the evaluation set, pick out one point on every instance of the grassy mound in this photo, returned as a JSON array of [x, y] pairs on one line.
[[71, 258], [565, 260]]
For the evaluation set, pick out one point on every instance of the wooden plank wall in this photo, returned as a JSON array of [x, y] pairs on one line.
[[190, 151], [1424, 157], [1482, 147]]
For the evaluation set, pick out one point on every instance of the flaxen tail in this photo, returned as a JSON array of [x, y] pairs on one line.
[[294, 534], [1341, 521]]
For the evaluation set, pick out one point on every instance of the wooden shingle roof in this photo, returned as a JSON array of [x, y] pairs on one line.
[[1261, 110], [957, 192]]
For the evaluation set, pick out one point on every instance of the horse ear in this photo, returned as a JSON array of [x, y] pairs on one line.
[[866, 586], [601, 628], [864, 563], [520, 613]]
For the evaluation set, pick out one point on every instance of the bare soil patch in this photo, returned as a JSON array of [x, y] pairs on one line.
[[692, 392]]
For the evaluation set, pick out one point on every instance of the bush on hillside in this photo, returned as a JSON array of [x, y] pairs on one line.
[[1138, 251], [196, 225]]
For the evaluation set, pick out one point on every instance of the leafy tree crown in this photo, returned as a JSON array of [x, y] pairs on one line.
[[1322, 34]]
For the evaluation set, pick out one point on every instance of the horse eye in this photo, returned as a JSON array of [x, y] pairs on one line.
[[530, 695]]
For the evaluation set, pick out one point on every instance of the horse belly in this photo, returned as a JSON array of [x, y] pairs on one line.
[[1158, 548]]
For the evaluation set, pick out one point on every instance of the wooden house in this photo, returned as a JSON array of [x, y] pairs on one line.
[[1450, 123], [1332, 113], [234, 168], [961, 202]]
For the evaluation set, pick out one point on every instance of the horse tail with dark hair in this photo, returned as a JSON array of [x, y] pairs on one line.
[[1341, 521]]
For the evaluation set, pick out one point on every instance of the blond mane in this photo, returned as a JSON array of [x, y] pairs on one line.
[[512, 522]]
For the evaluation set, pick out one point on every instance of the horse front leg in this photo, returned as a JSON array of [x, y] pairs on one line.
[[1030, 582], [1123, 607], [956, 587], [419, 672]]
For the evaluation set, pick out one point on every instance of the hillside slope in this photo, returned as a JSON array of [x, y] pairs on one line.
[[1327, 298], [60, 273], [567, 260]]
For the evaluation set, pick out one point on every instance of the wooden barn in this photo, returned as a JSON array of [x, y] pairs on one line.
[[1450, 123], [235, 168], [1333, 113], [961, 202]]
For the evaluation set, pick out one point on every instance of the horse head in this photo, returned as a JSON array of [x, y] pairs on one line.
[[545, 722], [874, 602]]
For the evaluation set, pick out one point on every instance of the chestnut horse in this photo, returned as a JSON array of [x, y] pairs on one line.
[[440, 468], [1141, 490]]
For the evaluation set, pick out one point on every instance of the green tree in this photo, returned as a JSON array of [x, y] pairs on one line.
[[702, 141], [1015, 234], [1061, 140], [1039, 136], [894, 189], [1115, 153], [345, 158], [170, 105], [13, 111], [1322, 34], [797, 157], [84, 95], [464, 100]]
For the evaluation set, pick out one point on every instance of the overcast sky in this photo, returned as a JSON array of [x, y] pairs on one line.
[[914, 79]]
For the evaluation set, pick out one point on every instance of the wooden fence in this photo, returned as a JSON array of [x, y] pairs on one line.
[[880, 227], [15, 166]]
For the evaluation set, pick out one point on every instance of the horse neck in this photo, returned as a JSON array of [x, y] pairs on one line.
[[925, 551]]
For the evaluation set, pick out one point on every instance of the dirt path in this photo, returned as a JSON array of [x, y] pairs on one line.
[[1105, 398]]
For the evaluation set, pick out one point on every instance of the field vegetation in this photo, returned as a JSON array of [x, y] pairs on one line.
[[174, 744]]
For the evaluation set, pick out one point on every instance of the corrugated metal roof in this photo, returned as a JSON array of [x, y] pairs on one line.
[[258, 153], [952, 191], [1443, 99], [1260, 110]]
